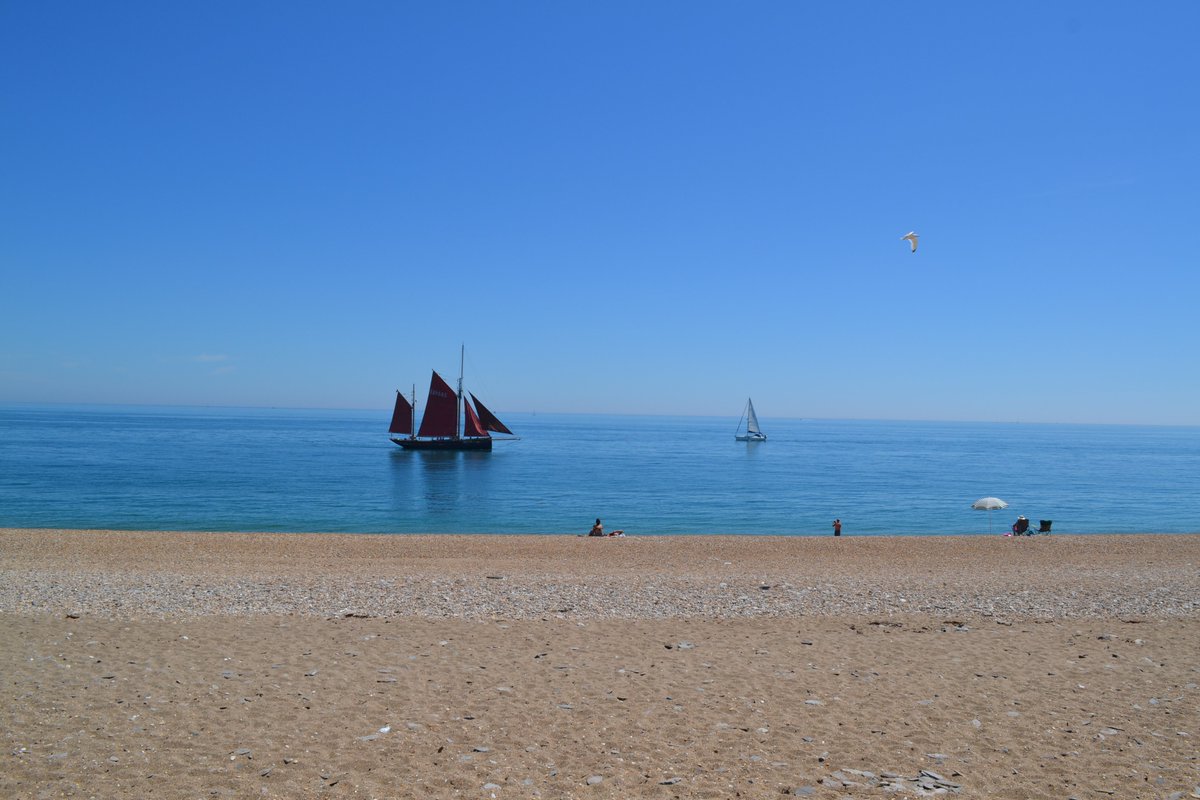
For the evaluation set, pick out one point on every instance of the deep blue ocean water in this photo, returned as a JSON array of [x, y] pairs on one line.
[[237, 469]]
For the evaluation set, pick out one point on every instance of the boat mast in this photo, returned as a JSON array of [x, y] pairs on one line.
[[412, 427], [458, 403]]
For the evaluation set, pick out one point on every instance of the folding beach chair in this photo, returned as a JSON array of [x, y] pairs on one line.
[[1045, 526]]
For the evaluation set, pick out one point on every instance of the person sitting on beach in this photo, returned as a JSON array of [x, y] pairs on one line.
[[1020, 527], [597, 529]]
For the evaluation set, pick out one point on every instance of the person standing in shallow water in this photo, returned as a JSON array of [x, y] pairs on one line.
[[837, 527]]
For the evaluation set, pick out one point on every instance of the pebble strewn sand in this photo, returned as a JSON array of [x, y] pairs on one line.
[[131, 574], [239, 665]]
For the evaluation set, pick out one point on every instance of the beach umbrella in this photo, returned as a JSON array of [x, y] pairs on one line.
[[989, 504]]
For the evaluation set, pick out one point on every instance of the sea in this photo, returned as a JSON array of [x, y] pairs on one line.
[[252, 469]]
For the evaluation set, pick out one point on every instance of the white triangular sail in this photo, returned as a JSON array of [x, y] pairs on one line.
[[752, 434], [751, 418]]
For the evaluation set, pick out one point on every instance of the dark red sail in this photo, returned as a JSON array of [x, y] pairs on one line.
[[441, 409], [489, 419], [402, 416], [471, 426]]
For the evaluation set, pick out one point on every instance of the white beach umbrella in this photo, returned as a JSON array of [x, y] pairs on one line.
[[989, 504]]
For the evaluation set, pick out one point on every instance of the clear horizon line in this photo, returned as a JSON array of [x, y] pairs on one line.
[[384, 411]]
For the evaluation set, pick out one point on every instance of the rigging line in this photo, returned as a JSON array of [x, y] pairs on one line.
[[476, 381]]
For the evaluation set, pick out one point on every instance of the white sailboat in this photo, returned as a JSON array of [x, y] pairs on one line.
[[752, 434]]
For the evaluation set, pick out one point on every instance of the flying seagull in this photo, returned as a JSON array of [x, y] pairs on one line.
[[912, 239]]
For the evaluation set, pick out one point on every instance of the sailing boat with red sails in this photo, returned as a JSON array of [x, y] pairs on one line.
[[450, 422]]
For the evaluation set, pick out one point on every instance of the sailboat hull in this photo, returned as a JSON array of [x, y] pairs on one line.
[[751, 437], [470, 443]]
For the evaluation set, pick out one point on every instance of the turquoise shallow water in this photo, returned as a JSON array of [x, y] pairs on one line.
[[226, 469]]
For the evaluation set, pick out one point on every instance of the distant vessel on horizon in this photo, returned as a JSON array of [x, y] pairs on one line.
[[753, 433], [449, 423]]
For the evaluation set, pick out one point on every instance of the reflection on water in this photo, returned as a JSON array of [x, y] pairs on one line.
[[437, 487]]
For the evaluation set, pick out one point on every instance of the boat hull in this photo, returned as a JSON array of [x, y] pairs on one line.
[[471, 443], [751, 437]]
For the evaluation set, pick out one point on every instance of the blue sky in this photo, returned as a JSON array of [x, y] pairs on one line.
[[619, 207]]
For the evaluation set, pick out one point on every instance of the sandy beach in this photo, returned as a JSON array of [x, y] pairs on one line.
[[304, 665]]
